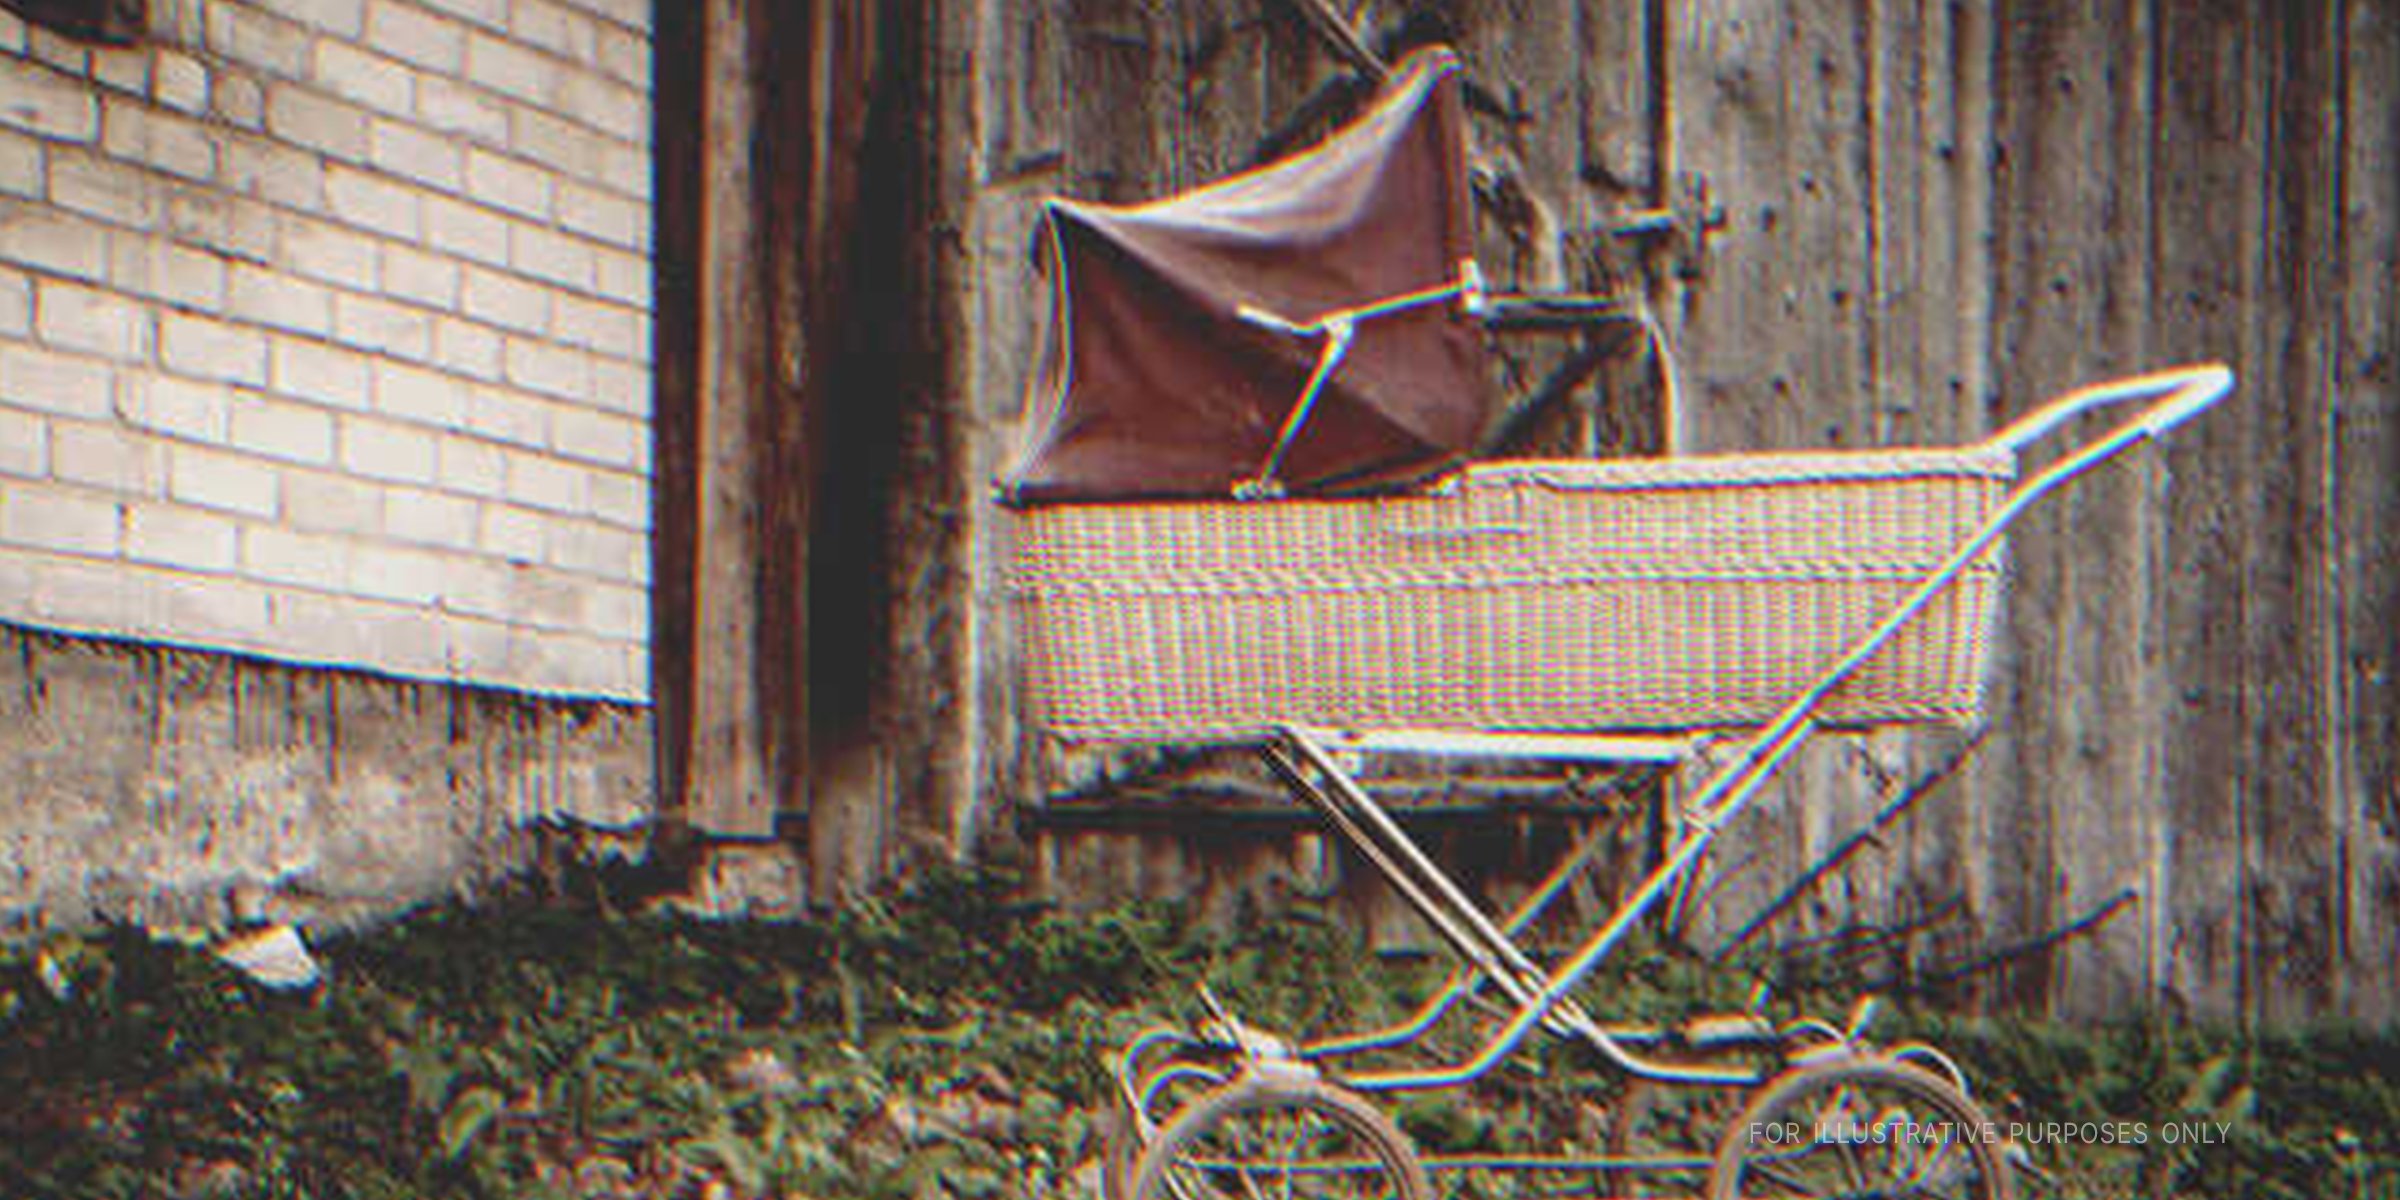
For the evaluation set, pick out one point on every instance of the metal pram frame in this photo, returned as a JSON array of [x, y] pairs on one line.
[[1196, 1101]]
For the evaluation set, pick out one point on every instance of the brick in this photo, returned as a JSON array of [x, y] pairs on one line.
[[403, 640], [464, 464], [279, 300], [555, 28], [604, 105], [57, 519], [73, 317], [214, 479], [238, 100], [371, 80], [622, 612], [557, 257], [556, 142], [323, 503], [416, 515], [624, 55], [552, 370], [373, 202], [124, 70], [627, 168], [596, 437], [633, 14], [620, 499], [455, 108], [292, 432], [506, 301], [273, 172], [24, 444], [604, 215], [59, 50], [372, 324], [116, 459], [174, 536], [509, 416], [599, 325], [545, 599], [477, 586], [90, 594], [55, 383], [133, 131], [540, 481], [428, 279], [512, 533], [429, 397], [56, 242], [519, 187], [326, 252], [593, 549], [621, 387], [326, 374], [492, 13], [158, 269], [394, 573], [318, 122], [413, 153], [215, 610], [386, 450], [407, 32], [307, 559], [466, 230], [344, 17], [467, 348], [180, 82], [228, 224], [179, 407], [512, 70], [111, 191], [205, 348], [16, 303], [623, 277], [44, 102], [254, 39], [21, 168]]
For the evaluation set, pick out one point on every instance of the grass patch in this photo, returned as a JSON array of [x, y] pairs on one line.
[[945, 1041]]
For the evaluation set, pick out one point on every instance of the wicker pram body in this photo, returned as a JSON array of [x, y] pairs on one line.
[[1677, 593]]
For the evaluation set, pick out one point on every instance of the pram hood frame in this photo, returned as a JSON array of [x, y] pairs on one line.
[[1182, 330]]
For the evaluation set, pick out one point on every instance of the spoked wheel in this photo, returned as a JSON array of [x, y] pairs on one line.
[[1121, 1140], [1281, 1139], [1857, 1130]]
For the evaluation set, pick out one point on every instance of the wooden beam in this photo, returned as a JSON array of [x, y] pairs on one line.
[[717, 681]]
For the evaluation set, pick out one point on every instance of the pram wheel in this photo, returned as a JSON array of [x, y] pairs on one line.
[[1861, 1128], [1170, 1087], [1266, 1136]]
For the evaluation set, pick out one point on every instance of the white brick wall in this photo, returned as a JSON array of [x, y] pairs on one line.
[[326, 336]]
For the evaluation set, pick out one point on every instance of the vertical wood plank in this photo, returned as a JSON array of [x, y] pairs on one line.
[[2207, 199], [2286, 641], [2073, 307], [2363, 481], [724, 775]]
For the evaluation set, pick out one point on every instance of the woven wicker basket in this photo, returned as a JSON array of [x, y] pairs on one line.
[[1681, 593]]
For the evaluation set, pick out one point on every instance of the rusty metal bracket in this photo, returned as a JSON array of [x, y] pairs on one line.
[[1681, 230]]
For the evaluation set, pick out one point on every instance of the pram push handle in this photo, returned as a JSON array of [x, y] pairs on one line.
[[2180, 392]]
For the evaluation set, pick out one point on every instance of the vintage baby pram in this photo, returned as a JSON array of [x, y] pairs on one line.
[[1242, 512]]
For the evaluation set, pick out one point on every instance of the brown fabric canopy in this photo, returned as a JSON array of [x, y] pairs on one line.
[[1150, 384]]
